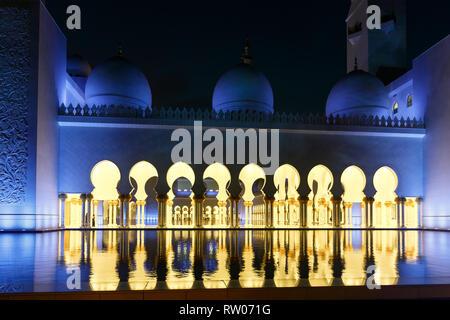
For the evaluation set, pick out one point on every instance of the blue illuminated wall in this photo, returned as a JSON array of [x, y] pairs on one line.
[[52, 77], [29, 95], [431, 91]]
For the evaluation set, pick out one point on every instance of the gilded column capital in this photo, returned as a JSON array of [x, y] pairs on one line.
[[248, 203], [222, 204]]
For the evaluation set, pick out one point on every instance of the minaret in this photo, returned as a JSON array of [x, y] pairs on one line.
[[380, 52]]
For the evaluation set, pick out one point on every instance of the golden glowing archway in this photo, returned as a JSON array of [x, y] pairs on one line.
[[176, 171], [248, 176], [179, 170], [105, 176], [353, 181], [286, 206], [221, 175], [385, 182], [319, 209], [141, 173]]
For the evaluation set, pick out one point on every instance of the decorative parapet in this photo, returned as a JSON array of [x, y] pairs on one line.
[[238, 116]]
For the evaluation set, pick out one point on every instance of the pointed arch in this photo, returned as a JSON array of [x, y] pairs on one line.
[[222, 176], [179, 170], [248, 176], [105, 177], [385, 182], [290, 174], [324, 179], [142, 172], [353, 181]]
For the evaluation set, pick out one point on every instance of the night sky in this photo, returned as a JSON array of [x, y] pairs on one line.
[[185, 46]]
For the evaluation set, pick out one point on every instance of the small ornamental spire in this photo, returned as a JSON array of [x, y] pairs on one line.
[[356, 64], [246, 58]]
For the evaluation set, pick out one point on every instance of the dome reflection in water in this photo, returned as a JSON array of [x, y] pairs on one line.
[[188, 259]]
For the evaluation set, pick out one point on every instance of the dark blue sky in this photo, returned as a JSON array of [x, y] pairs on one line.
[[184, 46]]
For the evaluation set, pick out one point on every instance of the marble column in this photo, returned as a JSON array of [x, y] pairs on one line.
[[402, 206], [162, 210], [62, 210], [88, 221], [115, 209], [363, 213], [399, 212], [268, 211], [83, 210], [95, 213], [336, 212], [303, 200], [420, 212], [198, 210], [127, 200], [348, 214], [370, 202], [248, 206], [122, 198], [223, 213], [234, 211]]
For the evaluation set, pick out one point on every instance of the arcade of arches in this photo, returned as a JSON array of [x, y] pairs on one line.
[[180, 208]]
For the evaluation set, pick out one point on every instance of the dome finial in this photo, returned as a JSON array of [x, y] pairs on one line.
[[356, 64], [245, 58], [120, 50]]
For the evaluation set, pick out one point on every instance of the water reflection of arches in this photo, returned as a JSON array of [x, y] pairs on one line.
[[139, 277], [253, 208], [329, 255], [286, 253], [286, 206], [104, 276], [180, 252], [216, 178], [385, 182], [180, 193], [220, 277], [140, 174], [353, 181], [105, 177], [385, 256], [249, 277], [354, 257], [319, 207]]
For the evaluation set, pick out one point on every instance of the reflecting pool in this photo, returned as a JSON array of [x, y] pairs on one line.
[[183, 259]]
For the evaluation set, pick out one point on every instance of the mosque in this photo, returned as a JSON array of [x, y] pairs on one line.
[[83, 147]]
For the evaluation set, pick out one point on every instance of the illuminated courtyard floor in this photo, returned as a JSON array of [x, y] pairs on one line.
[[223, 262]]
